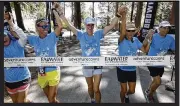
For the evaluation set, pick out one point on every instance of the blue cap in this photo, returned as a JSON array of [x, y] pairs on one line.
[[7, 33], [90, 20]]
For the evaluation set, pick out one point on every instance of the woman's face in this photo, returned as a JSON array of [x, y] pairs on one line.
[[6, 40], [130, 33], [90, 29], [43, 28], [6, 16]]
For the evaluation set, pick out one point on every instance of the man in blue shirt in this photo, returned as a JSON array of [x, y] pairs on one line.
[[159, 44], [90, 46]]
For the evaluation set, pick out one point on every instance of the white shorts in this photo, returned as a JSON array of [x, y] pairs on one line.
[[89, 71]]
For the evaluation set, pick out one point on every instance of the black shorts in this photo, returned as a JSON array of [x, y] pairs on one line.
[[156, 71], [15, 85], [126, 76]]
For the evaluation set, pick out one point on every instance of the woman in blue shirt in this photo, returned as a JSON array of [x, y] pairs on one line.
[[45, 45], [90, 46], [128, 46], [17, 79]]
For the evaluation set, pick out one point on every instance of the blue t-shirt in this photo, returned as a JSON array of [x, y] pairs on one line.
[[160, 45], [15, 74], [90, 45], [129, 48], [46, 47]]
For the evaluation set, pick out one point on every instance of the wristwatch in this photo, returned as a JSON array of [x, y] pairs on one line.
[[119, 16], [53, 9]]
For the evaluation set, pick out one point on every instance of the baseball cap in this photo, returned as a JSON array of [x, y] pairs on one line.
[[41, 20], [90, 20], [130, 26], [164, 24]]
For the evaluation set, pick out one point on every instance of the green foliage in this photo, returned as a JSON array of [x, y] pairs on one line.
[[163, 11], [33, 9], [12, 5]]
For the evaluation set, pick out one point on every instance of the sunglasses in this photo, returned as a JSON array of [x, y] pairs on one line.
[[130, 30], [90, 25], [44, 26]]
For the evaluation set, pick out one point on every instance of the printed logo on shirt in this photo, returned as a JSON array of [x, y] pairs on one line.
[[91, 49]]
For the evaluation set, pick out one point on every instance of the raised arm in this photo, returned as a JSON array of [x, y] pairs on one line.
[[148, 37], [63, 18], [17, 32], [70, 26], [111, 26], [147, 41], [57, 17], [123, 26]]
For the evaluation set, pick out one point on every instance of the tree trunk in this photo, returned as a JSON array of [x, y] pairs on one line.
[[117, 5], [72, 16], [48, 16], [138, 14], [64, 8], [93, 10], [19, 18], [77, 15], [172, 18], [132, 11], [8, 7]]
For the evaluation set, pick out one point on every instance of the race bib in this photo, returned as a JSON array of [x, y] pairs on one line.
[[42, 71]]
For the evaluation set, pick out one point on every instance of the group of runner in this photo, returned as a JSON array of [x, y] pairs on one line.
[[17, 79]]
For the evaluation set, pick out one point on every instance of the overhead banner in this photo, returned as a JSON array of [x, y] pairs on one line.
[[90, 61], [149, 19]]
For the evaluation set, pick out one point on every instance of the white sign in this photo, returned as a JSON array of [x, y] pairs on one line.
[[91, 61], [51, 61], [149, 60], [21, 62], [116, 61], [83, 61]]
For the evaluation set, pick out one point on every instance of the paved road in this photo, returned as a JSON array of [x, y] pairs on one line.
[[73, 88]]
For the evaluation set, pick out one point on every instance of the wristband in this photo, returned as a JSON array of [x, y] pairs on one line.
[[149, 41]]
